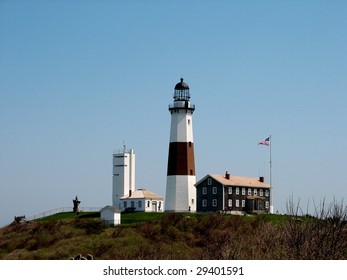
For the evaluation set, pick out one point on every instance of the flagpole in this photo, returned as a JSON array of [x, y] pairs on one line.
[[270, 163], [268, 142]]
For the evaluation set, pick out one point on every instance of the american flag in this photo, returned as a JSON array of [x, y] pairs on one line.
[[265, 142]]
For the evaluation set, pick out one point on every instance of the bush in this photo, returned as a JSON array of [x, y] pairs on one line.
[[176, 236], [91, 226]]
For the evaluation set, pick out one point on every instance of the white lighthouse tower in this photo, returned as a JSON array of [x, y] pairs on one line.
[[123, 175], [181, 178]]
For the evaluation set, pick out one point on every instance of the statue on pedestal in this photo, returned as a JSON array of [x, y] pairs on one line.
[[76, 204]]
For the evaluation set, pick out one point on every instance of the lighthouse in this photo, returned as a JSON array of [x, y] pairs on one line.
[[180, 190]]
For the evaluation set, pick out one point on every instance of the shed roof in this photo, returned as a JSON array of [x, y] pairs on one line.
[[236, 181], [114, 209]]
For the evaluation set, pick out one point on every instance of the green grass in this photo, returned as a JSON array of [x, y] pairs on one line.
[[140, 217], [137, 217], [68, 216], [127, 218]]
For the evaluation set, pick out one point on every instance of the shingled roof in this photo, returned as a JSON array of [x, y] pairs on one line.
[[143, 193], [236, 181]]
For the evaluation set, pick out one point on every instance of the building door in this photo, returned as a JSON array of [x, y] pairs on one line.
[[261, 205], [154, 206], [250, 205]]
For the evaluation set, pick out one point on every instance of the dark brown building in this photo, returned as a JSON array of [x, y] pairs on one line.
[[233, 194]]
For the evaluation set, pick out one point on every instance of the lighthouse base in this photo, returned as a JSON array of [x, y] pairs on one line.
[[180, 193]]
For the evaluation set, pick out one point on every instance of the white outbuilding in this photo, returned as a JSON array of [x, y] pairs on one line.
[[110, 215], [142, 200]]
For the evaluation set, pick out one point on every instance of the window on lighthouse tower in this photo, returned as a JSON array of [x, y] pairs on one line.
[[183, 95]]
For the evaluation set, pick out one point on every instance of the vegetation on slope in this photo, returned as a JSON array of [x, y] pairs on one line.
[[179, 236]]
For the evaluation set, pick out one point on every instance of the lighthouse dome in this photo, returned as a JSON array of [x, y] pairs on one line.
[[181, 85]]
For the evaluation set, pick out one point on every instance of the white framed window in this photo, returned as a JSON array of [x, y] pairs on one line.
[[214, 202], [255, 191], [132, 203], [243, 191], [209, 181], [261, 192], [139, 204], [230, 202], [125, 204], [230, 190], [249, 191], [214, 190], [204, 190], [266, 192], [237, 191], [148, 204], [204, 202], [237, 203], [243, 203], [267, 205]]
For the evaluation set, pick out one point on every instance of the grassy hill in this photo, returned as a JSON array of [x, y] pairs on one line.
[[127, 218], [176, 236]]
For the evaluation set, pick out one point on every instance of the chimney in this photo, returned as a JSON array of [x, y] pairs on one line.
[[261, 179], [129, 193], [227, 175]]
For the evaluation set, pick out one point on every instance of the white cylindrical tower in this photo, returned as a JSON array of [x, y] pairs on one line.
[[123, 175], [180, 190]]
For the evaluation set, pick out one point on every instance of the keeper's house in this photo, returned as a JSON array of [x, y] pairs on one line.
[[233, 194]]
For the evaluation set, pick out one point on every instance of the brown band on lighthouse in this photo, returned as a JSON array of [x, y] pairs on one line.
[[181, 159]]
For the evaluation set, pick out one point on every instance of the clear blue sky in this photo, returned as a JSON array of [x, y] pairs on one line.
[[79, 77]]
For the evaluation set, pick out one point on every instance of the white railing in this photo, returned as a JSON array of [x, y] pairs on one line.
[[181, 106], [62, 210]]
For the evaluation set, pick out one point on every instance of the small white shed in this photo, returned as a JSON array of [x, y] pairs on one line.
[[110, 215]]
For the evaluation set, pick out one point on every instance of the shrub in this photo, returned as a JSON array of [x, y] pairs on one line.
[[91, 226]]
